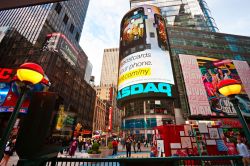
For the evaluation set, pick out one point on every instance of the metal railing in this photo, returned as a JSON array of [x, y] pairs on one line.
[[164, 161]]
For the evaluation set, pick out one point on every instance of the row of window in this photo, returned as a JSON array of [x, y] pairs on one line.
[[58, 9], [211, 45]]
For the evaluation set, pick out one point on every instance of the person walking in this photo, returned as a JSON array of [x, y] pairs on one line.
[[128, 147], [134, 145], [73, 147], [138, 146], [115, 146], [243, 151]]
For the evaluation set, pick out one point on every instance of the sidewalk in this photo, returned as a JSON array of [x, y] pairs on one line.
[[121, 154]]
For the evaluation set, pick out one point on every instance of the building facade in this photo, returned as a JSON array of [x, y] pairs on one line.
[[49, 35], [210, 46], [198, 60], [193, 14], [110, 63], [146, 82], [74, 93], [99, 115]]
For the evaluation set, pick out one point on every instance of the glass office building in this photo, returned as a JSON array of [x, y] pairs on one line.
[[35, 22], [193, 14], [27, 35]]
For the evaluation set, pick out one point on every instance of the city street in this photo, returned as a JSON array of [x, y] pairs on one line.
[[121, 153]]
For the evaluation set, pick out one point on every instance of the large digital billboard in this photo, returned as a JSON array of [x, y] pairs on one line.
[[144, 61], [58, 42], [210, 72]]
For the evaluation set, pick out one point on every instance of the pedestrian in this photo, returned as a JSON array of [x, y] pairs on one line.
[[243, 151], [115, 146], [123, 143], [73, 147], [138, 146], [80, 144], [134, 145], [128, 147], [146, 143], [8, 151]]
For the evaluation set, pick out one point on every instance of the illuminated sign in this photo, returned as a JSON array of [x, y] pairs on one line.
[[110, 118], [144, 89], [58, 42], [144, 58], [202, 76], [6, 74]]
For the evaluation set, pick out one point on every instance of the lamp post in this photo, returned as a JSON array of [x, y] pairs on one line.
[[230, 88], [27, 74]]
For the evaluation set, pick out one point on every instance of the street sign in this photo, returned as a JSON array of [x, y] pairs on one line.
[[7, 4]]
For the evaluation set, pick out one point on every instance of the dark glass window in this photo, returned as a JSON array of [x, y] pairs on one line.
[[152, 35], [72, 27], [58, 8], [77, 36], [65, 19]]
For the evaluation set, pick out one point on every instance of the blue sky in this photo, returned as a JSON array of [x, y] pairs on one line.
[[101, 27]]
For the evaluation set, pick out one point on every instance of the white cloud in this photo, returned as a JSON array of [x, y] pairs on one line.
[[101, 30]]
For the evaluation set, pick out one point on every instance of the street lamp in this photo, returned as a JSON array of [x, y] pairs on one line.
[[27, 74], [230, 88]]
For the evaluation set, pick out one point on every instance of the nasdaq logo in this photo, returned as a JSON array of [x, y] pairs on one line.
[[138, 89]]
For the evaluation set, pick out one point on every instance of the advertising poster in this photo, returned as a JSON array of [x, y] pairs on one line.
[[210, 72], [213, 133], [4, 89], [186, 142], [196, 92], [215, 70], [144, 55], [9, 97]]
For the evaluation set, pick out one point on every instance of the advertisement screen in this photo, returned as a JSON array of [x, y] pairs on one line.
[[58, 42], [10, 97], [212, 71], [145, 66]]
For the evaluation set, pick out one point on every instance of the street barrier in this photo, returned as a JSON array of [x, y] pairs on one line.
[[164, 161]]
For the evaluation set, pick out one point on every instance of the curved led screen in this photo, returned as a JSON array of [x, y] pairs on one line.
[[144, 62]]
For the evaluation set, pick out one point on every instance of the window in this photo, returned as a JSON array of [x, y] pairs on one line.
[[77, 36], [72, 27], [65, 19], [58, 8], [152, 35]]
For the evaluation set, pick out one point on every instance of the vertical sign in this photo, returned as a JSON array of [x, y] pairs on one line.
[[196, 92], [110, 118]]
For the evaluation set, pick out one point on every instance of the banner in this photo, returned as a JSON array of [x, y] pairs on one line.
[[206, 74], [196, 92]]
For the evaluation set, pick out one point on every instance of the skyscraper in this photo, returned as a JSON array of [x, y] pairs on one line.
[[110, 67], [48, 35], [193, 14], [64, 17]]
